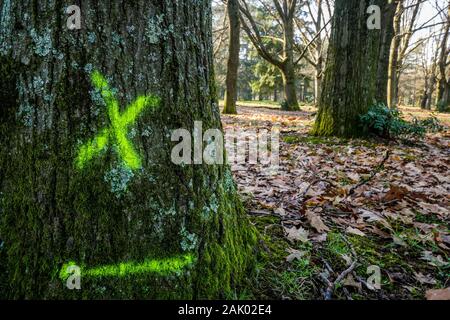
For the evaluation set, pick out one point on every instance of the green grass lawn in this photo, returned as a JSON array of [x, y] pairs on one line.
[[256, 104]]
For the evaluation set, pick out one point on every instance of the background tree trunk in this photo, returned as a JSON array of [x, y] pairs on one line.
[[430, 89], [286, 11], [443, 94], [387, 34], [318, 68], [233, 57], [52, 212], [289, 85], [318, 73], [393, 58], [429, 84], [350, 83], [288, 67]]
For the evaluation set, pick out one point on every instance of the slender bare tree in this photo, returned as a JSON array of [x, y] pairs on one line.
[[283, 12], [233, 57], [405, 20], [315, 38]]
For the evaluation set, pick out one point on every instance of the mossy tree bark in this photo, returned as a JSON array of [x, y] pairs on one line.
[[107, 218], [233, 57], [352, 74]]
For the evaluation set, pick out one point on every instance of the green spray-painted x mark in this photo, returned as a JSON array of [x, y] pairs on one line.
[[163, 267], [116, 133]]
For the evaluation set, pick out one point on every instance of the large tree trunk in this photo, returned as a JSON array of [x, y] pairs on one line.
[[136, 224], [350, 83], [233, 57]]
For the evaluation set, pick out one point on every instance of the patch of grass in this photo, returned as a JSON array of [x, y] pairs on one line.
[[273, 241], [409, 157], [336, 244], [334, 250], [242, 295], [291, 139], [297, 281], [276, 277], [313, 140], [369, 252], [394, 259], [323, 140], [344, 181], [256, 104], [368, 143], [427, 218], [413, 237], [417, 243]]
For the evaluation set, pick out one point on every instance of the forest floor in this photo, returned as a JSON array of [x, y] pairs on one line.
[[338, 211]]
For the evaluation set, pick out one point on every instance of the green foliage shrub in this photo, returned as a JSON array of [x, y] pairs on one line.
[[431, 124], [442, 107], [284, 105], [388, 123]]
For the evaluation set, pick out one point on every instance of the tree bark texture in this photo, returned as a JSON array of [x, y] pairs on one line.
[[350, 83], [123, 227]]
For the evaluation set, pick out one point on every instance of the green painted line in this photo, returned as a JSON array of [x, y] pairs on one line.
[[163, 267], [118, 130]]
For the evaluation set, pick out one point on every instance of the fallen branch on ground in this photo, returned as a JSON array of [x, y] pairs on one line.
[[374, 173], [313, 183], [332, 285]]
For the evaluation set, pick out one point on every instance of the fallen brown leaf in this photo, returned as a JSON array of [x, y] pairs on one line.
[[316, 222], [424, 279], [294, 255], [438, 294], [355, 231], [295, 234]]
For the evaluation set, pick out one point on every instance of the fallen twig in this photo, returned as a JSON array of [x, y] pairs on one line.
[[313, 183], [374, 173], [332, 285]]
